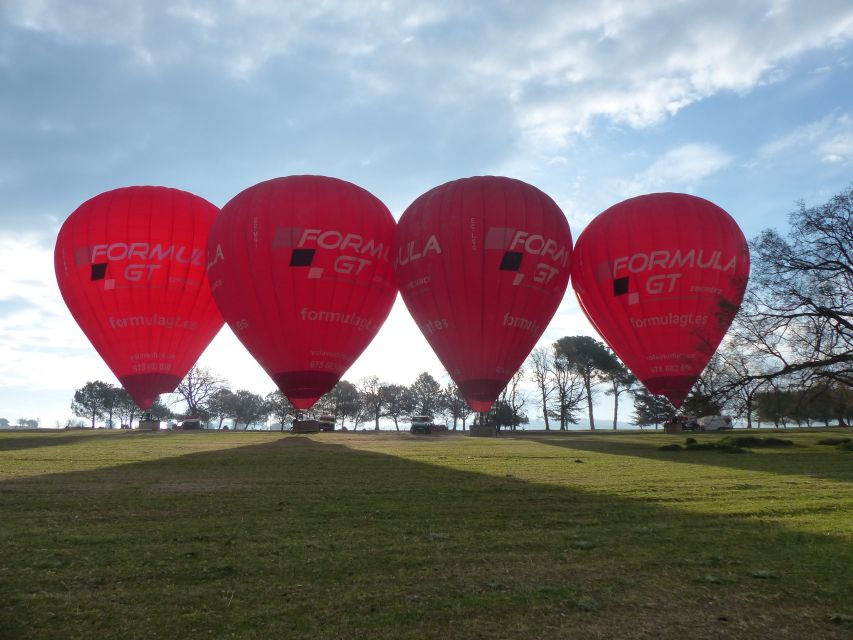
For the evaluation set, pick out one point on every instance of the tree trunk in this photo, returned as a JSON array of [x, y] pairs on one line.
[[545, 409], [615, 405], [588, 385]]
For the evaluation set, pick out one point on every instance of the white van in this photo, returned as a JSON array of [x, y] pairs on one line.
[[714, 423]]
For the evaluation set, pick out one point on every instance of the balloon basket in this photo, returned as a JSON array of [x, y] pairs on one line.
[[673, 428], [149, 425], [306, 426], [482, 431]]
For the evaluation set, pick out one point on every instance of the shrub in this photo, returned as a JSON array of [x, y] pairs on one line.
[[722, 445], [756, 442], [670, 447]]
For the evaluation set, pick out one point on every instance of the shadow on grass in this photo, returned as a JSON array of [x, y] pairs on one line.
[[299, 538], [788, 461], [12, 441]]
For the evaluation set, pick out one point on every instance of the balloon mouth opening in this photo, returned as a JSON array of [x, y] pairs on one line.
[[675, 388], [481, 394], [304, 388], [145, 387]]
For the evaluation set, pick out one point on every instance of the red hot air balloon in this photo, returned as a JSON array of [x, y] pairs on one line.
[[482, 264], [130, 264], [661, 277], [301, 270]]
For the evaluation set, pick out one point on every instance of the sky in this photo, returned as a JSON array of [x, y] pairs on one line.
[[747, 104]]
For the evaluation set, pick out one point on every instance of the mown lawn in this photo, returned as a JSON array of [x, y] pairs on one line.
[[248, 535]]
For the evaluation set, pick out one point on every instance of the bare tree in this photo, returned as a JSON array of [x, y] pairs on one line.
[[372, 398], [514, 398], [568, 391], [198, 387], [541, 367], [798, 310]]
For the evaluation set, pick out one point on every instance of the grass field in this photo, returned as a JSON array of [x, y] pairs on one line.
[[251, 535]]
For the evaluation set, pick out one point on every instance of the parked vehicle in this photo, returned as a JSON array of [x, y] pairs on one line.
[[327, 423], [714, 423], [421, 424], [681, 423]]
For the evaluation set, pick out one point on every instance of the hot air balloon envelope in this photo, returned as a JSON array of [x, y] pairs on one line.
[[301, 270], [660, 277], [482, 264], [130, 264]]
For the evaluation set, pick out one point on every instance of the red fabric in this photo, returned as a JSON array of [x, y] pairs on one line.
[[482, 264], [130, 264], [661, 277], [301, 270]]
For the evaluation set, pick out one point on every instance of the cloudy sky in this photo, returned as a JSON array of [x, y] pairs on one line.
[[748, 104]]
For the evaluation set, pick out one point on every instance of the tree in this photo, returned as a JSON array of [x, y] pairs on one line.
[[541, 367], [504, 415], [89, 400], [159, 411], [511, 402], [221, 405], [798, 310], [773, 405], [396, 402], [342, 402], [589, 358], [4, 423], [426, 395], [568, 390], [125, 408], [650, 409], [710, 392], [621, 381], [742, 364], [279, 407], [113, 397], [196, 389], [249, 408], [455, 405], [372, 398]]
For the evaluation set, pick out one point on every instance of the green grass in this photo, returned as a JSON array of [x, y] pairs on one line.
[[236, 535]]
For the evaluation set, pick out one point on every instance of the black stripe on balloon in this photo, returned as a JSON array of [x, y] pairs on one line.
[[511, 261], [620, 286], [99, 271], [302, 257]]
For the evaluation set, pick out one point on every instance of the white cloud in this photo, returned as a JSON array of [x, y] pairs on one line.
[[35, 325], [829, 140], [679, 169], [560, 67]]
